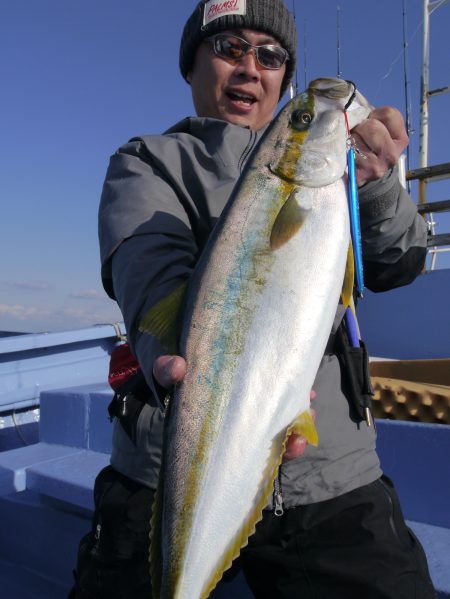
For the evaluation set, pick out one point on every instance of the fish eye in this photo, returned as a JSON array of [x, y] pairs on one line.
[[301, 119]]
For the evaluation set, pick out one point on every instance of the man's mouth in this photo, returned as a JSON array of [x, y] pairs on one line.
[[245, 99]]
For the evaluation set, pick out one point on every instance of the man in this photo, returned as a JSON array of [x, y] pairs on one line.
[[341, 532]]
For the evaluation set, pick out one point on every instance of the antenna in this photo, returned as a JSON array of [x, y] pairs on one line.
[[338, 25]]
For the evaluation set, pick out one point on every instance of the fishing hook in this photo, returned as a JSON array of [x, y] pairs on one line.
[[352, 97]]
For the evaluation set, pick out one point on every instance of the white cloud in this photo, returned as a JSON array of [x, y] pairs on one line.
[[17, 311], [33, 285], [87, 294], [15, 317]]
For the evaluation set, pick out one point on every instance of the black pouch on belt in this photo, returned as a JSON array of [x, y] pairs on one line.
[[356, 383], [128, 402]]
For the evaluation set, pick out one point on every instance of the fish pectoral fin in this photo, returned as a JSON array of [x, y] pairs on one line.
[[162, 318], [349, 278], [304, 425], [288, 221]]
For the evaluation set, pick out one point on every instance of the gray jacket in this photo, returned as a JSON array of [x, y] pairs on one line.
[[161, 198]]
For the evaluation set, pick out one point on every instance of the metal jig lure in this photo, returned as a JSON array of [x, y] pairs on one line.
[[353, 203]]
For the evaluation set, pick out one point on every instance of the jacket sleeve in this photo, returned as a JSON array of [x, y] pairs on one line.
[[147, 245], [394, 235]]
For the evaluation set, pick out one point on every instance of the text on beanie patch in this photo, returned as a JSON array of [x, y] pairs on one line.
[[220, 8]]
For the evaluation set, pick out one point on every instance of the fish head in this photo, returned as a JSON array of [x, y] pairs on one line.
[[311, 142]]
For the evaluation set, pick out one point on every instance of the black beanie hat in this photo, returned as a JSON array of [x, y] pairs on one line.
[[268, 16]]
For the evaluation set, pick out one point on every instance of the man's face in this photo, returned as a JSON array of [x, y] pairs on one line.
[[240, 92]]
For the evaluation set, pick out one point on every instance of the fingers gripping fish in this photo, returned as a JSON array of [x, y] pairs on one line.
[[259, 309]]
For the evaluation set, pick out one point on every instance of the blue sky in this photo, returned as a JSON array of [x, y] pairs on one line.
[[80, 78]]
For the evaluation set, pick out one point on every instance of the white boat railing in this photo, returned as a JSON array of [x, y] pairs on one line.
[[33, 363]]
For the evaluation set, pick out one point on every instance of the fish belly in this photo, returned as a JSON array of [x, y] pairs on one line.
[[226, 439]]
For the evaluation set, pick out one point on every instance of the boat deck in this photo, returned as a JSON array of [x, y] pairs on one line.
[[46, 493]]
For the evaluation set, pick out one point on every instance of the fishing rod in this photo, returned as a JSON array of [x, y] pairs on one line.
[[305, 51], [338, 25], [294, 90], [409, 129]]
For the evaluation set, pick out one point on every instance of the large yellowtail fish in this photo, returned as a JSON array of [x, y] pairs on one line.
[[260, 308]]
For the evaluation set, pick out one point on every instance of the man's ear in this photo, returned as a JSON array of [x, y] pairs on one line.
[[189, 77]]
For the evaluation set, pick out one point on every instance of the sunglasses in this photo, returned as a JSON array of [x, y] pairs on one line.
[[232, 47]]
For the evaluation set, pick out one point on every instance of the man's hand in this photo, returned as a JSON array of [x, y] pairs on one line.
[[296, 444], [381, 139], [170, 370]]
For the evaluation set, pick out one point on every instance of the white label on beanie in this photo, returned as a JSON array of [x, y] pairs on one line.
[[221, 8]]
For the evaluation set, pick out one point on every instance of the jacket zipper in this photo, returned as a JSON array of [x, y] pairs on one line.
[[95, 547], [278, 508]]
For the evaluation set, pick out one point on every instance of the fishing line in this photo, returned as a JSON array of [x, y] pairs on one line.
[[18, 429], [400, 54]]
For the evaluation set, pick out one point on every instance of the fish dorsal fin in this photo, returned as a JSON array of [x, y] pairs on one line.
[[162, 318], [304, 425], [349, 278], [288, 221]]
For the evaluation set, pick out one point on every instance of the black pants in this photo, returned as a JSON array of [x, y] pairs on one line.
[[113, 558], [355, 546]]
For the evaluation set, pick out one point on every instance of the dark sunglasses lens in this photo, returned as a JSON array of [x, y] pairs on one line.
[[271, 57], [229, 47]]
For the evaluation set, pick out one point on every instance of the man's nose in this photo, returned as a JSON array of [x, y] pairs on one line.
[[249, 65]]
